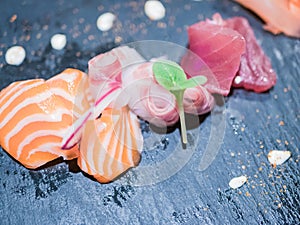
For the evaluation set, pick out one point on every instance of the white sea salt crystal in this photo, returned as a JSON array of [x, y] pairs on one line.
[[105, 21], [237, 182], [58, 41], [155, 10], [15, 55], [277, 157]]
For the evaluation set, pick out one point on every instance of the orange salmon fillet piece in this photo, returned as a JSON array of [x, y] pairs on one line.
[[110, 145], [34, 115], [279, 15]]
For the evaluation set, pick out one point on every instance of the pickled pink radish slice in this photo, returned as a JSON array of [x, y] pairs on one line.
[[74, 133], [104, 71]]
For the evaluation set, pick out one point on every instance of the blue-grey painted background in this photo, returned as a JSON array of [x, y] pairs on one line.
[[61, 194]]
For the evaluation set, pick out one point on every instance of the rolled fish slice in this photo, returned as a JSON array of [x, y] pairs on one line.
[[149, 100], [154, 103], [34, 116], [110, 145]]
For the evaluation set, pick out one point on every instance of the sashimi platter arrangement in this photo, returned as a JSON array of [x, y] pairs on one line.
[[95, 117]]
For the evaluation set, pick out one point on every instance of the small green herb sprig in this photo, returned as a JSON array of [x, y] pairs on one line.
[[173, 78]]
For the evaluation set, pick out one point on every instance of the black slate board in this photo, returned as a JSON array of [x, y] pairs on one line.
[[61, 194]]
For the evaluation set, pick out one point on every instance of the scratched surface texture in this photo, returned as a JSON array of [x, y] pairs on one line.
[[255, 124]]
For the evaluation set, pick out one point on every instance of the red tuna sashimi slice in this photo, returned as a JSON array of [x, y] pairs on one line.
[[220, 48], [256, 71]]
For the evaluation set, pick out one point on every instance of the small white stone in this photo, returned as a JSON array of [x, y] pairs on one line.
[[58, 41], [15, 55], [155, 10], [237, 182], [277, 157], [106, 21]]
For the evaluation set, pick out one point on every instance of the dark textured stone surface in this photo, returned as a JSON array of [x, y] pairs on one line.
[[61, 194]]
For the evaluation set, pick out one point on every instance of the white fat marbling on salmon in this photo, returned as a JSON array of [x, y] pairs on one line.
[[113, 152], [49, 147], [34, 100], [67, 77], [37, 134], [55, 117], [90, 154], [13, 88], [62, 93], [18, 94]]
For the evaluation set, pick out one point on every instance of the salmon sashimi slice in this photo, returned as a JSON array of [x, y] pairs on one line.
[[34, 116], [72, 87], [279, 15], [220, 48], [111, 144]]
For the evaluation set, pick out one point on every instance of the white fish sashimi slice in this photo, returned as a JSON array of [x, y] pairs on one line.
[[106, 69]]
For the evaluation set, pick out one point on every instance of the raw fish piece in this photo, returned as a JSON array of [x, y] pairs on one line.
[[256, 71], [148, 99], [110, 145], [197, 101], [220, 48], [154, 103], [34, 116], [279, 15], [105, 70]]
